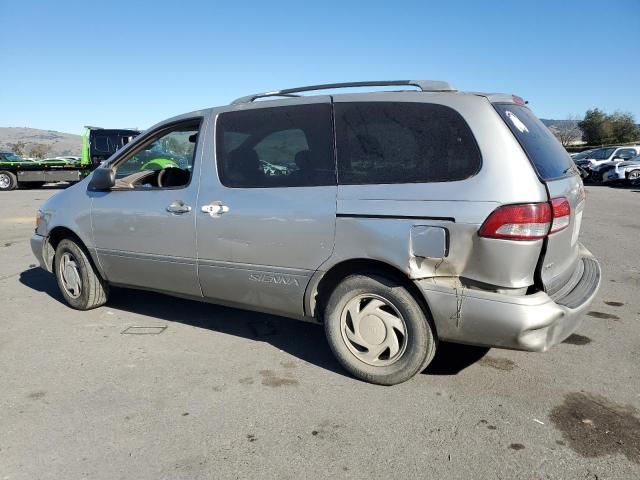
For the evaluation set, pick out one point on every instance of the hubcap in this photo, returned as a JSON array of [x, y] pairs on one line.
[[4, 181], [634, 178], [70, 275], [373, 330]]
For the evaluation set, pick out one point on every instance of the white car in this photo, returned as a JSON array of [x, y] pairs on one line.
[[621, 171], [604, 155]]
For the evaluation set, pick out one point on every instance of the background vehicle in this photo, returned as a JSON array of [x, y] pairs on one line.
[[621, 155], [34, 173], [627, 171], [591, 162], [98, 144], [399, 218]]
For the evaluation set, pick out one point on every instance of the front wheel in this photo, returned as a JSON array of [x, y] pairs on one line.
[[8, 181], [634, 178], [79, 282], [377, 330]]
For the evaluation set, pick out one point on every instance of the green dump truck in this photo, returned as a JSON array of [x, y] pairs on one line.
[[98, 144]]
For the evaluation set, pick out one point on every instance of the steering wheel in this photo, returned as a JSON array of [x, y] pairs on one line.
[[162, 175]]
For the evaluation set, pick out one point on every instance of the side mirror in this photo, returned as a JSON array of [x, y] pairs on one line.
[[102, 179]]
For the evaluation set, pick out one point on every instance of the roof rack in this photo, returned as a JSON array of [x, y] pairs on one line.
[[423, 85]]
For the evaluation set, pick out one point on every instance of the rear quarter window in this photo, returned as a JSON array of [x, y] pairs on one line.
[[395, 142], [546, 153]]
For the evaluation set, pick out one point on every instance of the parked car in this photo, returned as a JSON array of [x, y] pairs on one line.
[[621, 172], [403, 218], [601, 156], [623, 155]]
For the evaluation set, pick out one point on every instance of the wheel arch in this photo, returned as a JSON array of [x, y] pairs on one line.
[[322, 284], [59, 233], [631, 170]]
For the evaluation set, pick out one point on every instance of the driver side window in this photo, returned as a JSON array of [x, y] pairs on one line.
[[163, 161]]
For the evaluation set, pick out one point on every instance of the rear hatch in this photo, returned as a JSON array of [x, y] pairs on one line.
[[559, 264]]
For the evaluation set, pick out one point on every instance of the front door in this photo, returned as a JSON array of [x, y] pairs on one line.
[[266, 210], [144, 228]]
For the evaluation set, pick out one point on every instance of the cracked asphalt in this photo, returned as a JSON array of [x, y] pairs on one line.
[[154, 387]]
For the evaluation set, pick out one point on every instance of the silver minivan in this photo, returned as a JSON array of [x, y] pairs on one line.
[[395, 218]]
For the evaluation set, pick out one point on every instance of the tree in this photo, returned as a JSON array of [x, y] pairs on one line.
[[596, 130], [567, 131], [19, 148], [39, 150], [623, 127]]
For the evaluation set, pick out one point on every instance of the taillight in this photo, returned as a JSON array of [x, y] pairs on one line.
[[561, 214], [529, 221]]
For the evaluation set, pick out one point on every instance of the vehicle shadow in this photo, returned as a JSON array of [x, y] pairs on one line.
[[303, 340]]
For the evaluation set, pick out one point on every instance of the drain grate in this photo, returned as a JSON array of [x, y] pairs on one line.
[[143, 330]]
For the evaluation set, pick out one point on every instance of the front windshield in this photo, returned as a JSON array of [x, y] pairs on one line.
[[582, 155], [12, 157], [601, 153]]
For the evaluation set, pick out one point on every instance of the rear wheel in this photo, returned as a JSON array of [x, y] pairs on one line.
[[79, 282], [377, 330], [634, 177], [8, 181]]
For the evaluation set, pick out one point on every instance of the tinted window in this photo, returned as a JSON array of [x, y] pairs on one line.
[[108, 141], [546, 153], [10, 157], [276, 147], [601, 153], [104, 144], [391, 142], [626, 153]]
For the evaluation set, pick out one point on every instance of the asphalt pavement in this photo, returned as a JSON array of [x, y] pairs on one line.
[[154, 387]]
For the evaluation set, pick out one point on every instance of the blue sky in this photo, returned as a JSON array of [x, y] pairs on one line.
[[132, 63]]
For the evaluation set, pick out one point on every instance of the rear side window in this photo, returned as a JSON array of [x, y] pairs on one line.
[[546, 153], [392, 142], [276, 147], [104, 144]]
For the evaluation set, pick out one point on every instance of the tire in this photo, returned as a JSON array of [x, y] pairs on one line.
[[633, 177], [381, 308], [8, 181], [80, 284]]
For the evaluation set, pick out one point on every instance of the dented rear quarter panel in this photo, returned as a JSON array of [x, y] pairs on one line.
[[375, 221]]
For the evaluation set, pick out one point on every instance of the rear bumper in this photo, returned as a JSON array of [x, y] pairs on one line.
[[528, 322]]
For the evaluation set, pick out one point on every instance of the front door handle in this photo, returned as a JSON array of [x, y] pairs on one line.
[[178, 207], [215, 209]]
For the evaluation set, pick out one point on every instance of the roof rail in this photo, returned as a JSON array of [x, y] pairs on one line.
[[423, 85]]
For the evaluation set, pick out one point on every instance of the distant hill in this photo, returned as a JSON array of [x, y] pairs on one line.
[[559, 123], [60, 143]]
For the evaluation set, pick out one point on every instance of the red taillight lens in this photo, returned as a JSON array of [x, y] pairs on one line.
[[561, 214], [530, 221]]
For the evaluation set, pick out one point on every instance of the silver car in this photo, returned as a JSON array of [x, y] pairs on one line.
[[625, 170], [395, 218]]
